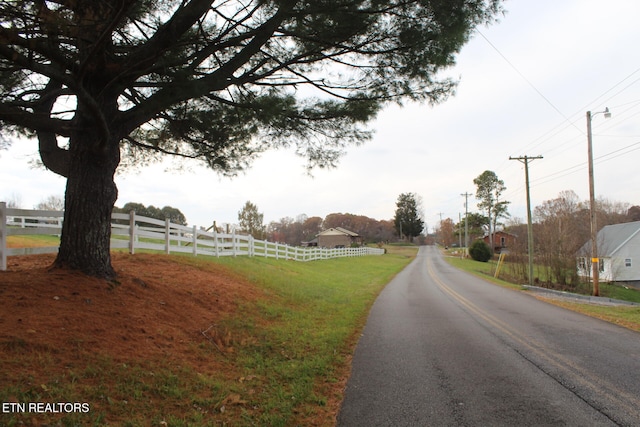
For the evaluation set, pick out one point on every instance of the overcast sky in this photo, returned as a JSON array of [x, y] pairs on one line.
[[526, 84]]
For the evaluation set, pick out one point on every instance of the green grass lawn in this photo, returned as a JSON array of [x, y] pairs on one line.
[[30, 241], [320, 308]]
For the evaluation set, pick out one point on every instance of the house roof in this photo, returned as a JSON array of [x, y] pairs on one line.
[[501, 232], [613, 237], [337, 232]]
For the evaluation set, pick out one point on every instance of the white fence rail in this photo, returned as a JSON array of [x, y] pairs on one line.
[[134, 232]]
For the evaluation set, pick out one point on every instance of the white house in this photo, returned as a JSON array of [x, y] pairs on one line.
[[618, 253]]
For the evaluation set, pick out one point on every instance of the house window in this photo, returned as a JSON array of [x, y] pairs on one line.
[[582, 263], [502, 241], [627, 262], [601, 265]]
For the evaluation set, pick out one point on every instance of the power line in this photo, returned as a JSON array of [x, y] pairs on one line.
[[557, 129], [579, 166], [525, 78]]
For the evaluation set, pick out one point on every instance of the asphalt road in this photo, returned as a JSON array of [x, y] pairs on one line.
[[444, 348]]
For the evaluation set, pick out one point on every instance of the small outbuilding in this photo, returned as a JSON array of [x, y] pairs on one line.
[[502, 241], [338, 237]]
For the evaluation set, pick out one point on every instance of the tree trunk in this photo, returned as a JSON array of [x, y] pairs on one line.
[[89, 199]]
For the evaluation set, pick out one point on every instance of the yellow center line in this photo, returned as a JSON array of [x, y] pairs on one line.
[[597, 384]]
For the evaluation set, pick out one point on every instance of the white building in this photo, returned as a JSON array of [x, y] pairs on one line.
[[618, 253]]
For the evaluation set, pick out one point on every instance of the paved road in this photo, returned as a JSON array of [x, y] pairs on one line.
[[443, 348]]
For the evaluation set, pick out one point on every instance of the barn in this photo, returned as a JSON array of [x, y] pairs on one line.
[[502, 241], [338, 237]]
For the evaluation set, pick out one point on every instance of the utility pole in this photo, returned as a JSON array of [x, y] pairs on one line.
[[459, 231], [466, 221], [595, 267], [595, 259], [525, 160]]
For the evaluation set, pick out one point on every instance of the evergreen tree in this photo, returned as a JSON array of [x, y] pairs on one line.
[[407, 220], [480, 251], [103, 84]]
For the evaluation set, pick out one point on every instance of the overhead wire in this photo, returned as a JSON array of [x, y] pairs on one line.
[[523, 77], [568, 123]]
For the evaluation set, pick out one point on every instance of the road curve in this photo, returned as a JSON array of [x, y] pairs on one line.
[[444, 348]]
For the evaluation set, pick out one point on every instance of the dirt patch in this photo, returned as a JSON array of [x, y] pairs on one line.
[[155, 306], [158, 313]]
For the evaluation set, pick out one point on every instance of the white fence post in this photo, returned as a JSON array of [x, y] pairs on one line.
[[3, 236], [132, 232], [195, 241], [233, 242], [167, 236], [215, 241]]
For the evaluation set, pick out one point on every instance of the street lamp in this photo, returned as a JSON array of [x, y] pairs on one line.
[[592, 205]]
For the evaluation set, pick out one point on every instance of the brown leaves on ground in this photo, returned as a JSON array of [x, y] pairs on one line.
[[156, 306], [158, 313]]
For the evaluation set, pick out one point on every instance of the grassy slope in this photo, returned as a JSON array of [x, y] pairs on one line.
[[315, 316], [279, 359]]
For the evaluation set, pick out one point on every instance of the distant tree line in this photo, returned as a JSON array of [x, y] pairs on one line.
[[406, 223], [304, 229], [172, 214]]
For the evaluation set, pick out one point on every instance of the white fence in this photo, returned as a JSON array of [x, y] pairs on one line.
[[137, 232]]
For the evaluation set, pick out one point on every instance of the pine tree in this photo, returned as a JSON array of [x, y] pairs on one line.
[[407, 220], [105, 84]]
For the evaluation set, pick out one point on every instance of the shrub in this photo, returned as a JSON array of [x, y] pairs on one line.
[[480, 251]]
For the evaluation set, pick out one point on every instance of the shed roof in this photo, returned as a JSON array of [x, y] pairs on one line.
[[337, 231]]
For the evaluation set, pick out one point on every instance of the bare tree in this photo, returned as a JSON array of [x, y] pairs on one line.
[[15, 201], [563, 227], [51, 203]]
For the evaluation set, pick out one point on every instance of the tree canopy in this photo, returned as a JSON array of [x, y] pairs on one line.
[[101, 83], [489, 189], [408, 219], [168, 212], [304, 228], [251, 221]]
